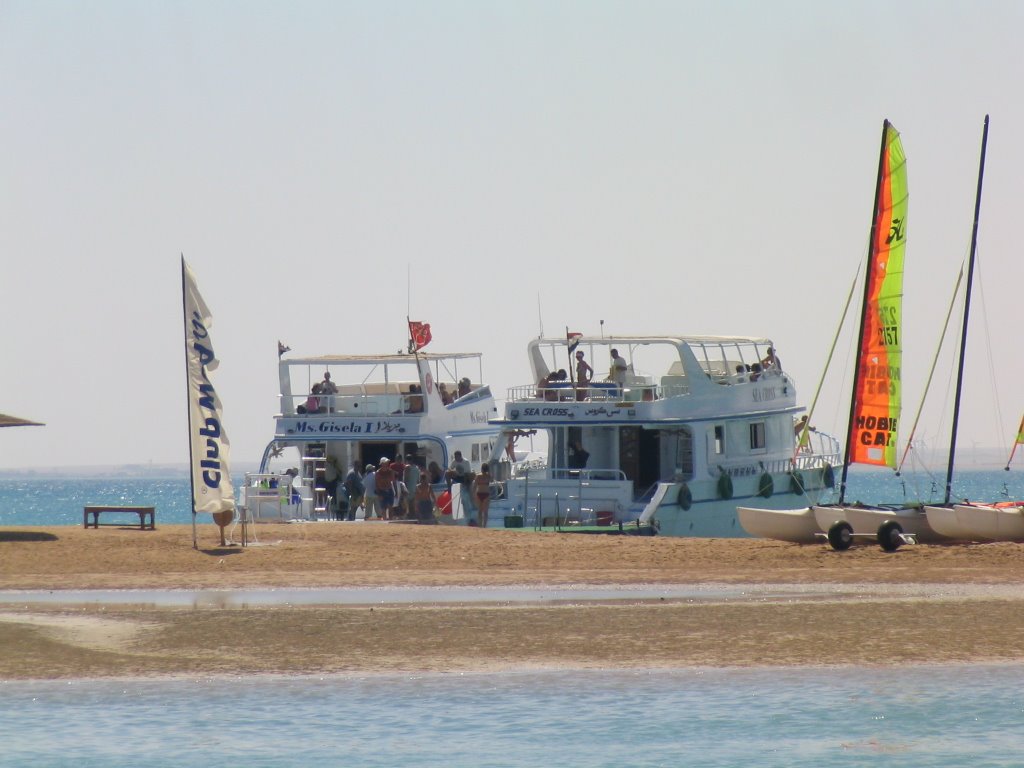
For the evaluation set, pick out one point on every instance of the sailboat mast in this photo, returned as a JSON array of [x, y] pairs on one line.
[[857, 373], [967, 309]]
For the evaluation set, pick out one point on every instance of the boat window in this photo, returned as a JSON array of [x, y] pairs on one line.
[[757, 436], [719, 439], [684, 455]]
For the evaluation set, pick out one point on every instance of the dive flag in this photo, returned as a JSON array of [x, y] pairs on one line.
[[208, 442], [419, 335], [573, 337]]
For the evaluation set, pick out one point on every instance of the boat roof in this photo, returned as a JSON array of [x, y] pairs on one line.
[[654, 339], [396, 358]]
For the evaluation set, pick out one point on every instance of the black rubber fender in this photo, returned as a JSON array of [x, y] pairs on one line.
[[724, 487], [765, 486], [685, 497], [828, 476]]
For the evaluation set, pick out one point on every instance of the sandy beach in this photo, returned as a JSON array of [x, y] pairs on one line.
[[921, 604]]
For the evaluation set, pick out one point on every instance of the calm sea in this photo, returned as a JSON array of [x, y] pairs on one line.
[[59, 501], [921, 717]]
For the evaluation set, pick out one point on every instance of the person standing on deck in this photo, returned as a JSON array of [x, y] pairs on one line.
[[617, 370], [584, 374]]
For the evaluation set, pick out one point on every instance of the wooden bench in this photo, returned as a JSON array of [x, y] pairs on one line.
[[144, 513]]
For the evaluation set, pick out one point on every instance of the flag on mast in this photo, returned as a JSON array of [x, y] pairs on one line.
[[573, 338], [419, 335], [209, 447]]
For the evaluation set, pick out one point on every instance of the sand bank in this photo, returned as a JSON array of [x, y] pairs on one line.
[[935, 622]]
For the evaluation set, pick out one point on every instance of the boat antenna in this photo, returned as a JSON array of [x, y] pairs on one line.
[[967, 309], [540, 319], [863, 312]]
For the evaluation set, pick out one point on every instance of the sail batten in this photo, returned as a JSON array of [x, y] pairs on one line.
[[877, 395]]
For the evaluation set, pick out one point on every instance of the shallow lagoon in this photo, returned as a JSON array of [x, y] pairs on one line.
[[920, 716]]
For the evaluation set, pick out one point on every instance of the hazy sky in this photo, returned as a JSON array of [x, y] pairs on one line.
[[668, 167]]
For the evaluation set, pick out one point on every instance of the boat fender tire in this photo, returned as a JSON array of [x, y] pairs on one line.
[[890, 536], [796, 482], [765, 486], [685, 498], [724, 487], [840, 536], [828, 476]]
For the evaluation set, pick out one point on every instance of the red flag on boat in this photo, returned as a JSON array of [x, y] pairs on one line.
[[573, 337], [419, 335]]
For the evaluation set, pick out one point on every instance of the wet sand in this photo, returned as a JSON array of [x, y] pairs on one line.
[[965, 603]]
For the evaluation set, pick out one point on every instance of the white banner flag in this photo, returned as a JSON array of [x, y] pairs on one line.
[[211, 479]]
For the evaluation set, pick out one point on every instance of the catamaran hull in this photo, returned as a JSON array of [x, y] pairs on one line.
[[992, 523], [948, 522], [795, 525], [911, 521]]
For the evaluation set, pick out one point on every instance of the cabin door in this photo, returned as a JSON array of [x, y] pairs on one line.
[[639, 456]]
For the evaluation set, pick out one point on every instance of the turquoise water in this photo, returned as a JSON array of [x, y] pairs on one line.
[[37, 501], [922, 716]]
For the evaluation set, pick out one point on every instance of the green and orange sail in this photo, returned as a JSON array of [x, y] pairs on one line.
[[875, 410]]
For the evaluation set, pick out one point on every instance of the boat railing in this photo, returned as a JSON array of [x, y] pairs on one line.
[[556, 510], [349, 405], [596, 392], [816, 450], [271, 496]]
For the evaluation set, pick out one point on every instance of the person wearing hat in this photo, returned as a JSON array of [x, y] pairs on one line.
[[385, 483], [370, 492]]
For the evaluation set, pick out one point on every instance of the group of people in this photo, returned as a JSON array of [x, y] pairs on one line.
[[769, 364], [548, 386], [321, 397], [464, 387], [393, 490]]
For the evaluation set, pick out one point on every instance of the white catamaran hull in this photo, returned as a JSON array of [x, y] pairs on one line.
[[912, 521], [796, 525], [1004, 522]]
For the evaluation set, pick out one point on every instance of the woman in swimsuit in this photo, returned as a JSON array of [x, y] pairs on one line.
[[482, 489]]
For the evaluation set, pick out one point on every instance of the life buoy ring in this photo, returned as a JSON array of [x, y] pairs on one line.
[[685, 498], [765, 486], [828, 476], [724, 487], [796, 482]]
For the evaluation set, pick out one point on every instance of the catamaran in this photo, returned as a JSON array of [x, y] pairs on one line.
[[893, 522], [341, 410], [999, 521], [682, 430], [875, 405]]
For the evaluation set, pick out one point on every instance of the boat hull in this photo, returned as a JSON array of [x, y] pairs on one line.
[[794, 525], [912, 520], [948, 522], [992, 523]]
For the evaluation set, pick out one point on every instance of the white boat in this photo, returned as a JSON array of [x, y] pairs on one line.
[[952, 522], [984, 522], [673, 447], [381, 406]]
